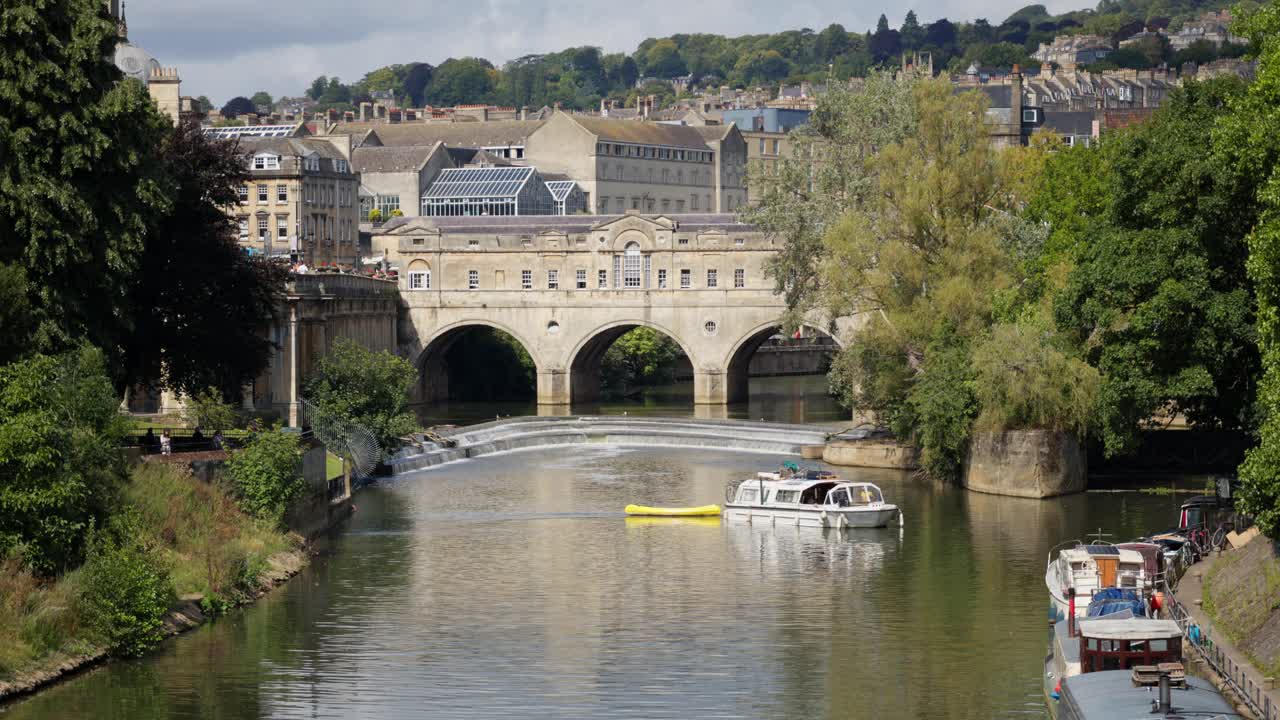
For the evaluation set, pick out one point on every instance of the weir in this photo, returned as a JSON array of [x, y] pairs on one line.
[[531, 432]]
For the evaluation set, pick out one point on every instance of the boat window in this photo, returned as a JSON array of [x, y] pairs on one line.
[[1093, 644], [839, 497], [786, 496], [747, 495], [866, 495], [1160, 645]]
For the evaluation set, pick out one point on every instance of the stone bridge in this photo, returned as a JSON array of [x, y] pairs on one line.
[[567, 287]]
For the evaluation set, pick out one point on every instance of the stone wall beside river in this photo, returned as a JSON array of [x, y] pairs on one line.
[[1026, 463]]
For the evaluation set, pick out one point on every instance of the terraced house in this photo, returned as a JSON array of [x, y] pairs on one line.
[[301, 201]]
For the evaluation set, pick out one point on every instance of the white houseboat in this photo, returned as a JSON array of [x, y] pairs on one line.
[[812, 499], [1088, 569]]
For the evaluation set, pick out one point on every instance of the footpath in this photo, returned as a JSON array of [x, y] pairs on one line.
[[1237, 677]]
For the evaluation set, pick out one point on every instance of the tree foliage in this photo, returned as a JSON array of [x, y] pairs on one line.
[[127, 587], [60, 466], [358, 385], [1250, 133], [237, 106], [642, 356], [267, 474], [208, 411]]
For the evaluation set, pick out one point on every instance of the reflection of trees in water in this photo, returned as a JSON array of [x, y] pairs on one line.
[[488, 364]]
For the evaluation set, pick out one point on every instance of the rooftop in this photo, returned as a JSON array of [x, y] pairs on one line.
[[534, 224], [641, 132], [1111, 695], [492, 182], [391, 159], [497, 133]]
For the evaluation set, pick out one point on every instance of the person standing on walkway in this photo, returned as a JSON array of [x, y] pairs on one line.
[[166, 443]]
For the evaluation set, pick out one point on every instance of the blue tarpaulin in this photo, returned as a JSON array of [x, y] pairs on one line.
[[1109, 601]]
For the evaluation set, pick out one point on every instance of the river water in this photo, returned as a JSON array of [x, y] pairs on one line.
[[512, 586]]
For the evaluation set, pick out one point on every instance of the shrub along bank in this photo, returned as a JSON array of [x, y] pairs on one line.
[[172, 536]]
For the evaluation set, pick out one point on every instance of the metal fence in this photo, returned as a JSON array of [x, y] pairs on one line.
[[1237, 678]]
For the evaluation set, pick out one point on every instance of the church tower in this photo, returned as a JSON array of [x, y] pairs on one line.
[[115, 8]]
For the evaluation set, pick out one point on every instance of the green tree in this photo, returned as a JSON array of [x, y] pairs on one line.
[[1159, 298], [1248, 134], [127, 587], [238, 106], [262, 99], [461, 81], [911, 32], [209, 411], [198, 301], [318, 86], [355, 384], [60, 466], [640, 357], [663, 60], [80, 179], [267, 474]]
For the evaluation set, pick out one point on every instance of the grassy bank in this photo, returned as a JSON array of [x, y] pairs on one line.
[[205, 543], [1242, 595]]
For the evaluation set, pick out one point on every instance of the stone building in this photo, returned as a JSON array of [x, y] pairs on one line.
[[1212, 27], [163, 83], [301, 200], [1073, 50], [395, 178], [650, 167], [765, 132]]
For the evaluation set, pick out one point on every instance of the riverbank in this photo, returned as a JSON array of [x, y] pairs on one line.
[[216, 557]]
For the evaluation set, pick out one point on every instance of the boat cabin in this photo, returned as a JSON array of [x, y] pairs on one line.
[[825, 489], [1089, 568], [1123, 644]]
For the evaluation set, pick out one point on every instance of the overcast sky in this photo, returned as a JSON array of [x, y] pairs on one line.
[[236, 47]]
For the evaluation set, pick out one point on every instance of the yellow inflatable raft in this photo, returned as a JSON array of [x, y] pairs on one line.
[[703, 511]]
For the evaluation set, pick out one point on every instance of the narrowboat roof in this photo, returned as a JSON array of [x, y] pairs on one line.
[[1111, 695], [1130, 629], [1083, 552]]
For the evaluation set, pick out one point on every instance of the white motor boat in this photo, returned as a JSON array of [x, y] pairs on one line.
[[810, 499], [1088, 569]]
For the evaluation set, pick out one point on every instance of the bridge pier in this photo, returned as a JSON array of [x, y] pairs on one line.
[[710, 386], [553, 389]]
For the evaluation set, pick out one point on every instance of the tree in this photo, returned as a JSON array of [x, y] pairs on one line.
[[267, 474], [828, 174], [355, 384], [238, 106], [318, 86], [911, 32], [80, 180], [640, 357], [209, 412], [1248, 135], [663, 60], [204, 104], [832, 42], [127, 588], [414, 85], [885, 44], [199, 302], [60, 464], [461, 81], [762, 67], [262, 99], [1159, 298]]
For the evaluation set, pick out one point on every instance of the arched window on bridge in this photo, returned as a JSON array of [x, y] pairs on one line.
[[631, 265], [419, 275]]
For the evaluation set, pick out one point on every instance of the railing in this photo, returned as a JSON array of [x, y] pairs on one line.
[[1236, 677], [320, 284]]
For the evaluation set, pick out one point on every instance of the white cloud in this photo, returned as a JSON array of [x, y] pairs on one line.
[[234, 48]]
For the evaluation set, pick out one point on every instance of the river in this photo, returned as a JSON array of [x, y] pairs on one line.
[[512, 586]]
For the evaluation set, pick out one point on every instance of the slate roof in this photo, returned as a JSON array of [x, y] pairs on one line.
[[289, 147], [1076, 122], [457, 134], [641, 133], [391, 159]]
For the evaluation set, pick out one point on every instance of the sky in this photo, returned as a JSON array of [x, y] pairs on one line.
[[237, 47]]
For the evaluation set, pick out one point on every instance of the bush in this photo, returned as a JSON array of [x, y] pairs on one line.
[[60, 464], [267, 474], [207, 410], [127, 588], [397, 213], [352, 384], [375, 215]]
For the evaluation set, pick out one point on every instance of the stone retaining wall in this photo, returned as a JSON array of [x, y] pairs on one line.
[[872, 454], [1026, 463]]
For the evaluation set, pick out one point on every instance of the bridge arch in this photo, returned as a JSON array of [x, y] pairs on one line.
[[584, 361], [737, 364], [433, 360]]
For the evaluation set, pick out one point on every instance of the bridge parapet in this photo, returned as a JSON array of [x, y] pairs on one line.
[[333, 284]]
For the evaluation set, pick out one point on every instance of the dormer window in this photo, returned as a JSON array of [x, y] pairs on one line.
[[266, 161], [340, 166], [311, 162]]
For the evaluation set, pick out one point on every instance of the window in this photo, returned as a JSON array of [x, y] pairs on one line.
[[243, 192], [526, 279], [262, 194], [473, 279], [266, 162], [635, 203], [553, 279], [604, 205], [693, 203], [662, 278], [264, 230], [680, 206], [631, 265], [1029, 115], [602, 279], [419, 279], [341, 165], [473, 243], [761, 146], [387, 204], [682, 241], [580, 279], [244, 228], [739, 278], [711, 278], [666, 205], [282, 226], [747, 495], [686, 278], [282, 194], [775, 146]]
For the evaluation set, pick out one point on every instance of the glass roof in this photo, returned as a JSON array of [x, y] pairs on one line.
[[560, 189], [479, 182], [235, 131]]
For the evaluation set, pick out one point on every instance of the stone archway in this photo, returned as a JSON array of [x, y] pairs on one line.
[[584, 365], [433, 360], [738, 364]]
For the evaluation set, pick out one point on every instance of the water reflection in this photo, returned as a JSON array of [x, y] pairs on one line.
[[512, 585]]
